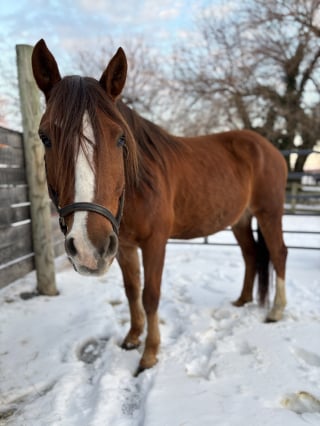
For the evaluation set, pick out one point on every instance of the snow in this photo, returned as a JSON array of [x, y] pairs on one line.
[[61, 361]]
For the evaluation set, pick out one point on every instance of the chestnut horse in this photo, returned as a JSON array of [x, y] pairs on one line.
[[107, 164]]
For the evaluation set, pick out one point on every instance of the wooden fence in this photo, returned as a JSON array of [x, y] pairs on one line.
[[16, 247]]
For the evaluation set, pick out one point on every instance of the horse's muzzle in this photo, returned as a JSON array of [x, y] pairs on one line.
[[87, 259]]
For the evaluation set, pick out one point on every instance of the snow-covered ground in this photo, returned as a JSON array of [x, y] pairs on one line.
[[61, 361]]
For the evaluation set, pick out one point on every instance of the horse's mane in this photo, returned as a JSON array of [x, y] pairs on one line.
[[155, 145]]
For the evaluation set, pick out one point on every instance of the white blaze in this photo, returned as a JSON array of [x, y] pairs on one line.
[[84, 176], [84, 192]]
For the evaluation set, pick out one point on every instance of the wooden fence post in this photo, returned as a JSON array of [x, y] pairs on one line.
[[38, 193], [294, 193]]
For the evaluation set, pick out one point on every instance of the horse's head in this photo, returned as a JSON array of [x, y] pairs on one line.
[[86, 141]]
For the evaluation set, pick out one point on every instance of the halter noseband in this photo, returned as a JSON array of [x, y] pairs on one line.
[[91, 207]]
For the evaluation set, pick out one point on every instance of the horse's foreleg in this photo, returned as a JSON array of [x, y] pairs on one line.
[[130, 266], [153, 259]]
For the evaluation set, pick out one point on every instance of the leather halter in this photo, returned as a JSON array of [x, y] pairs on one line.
[[91, 207], [85, 206]]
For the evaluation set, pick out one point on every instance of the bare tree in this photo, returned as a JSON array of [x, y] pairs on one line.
[[9, 99], [258, 68], [146, 84], [3, 120]]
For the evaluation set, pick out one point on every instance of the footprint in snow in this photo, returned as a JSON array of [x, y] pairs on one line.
[[92, 349], [302, 402], [309, 358]]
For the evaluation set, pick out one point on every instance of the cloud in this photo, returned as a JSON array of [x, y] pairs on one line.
[[83, 22], [71, 25], [97, 5]]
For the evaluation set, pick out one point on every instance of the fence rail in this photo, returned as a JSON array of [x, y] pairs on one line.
[[293, 237], [303, 188]]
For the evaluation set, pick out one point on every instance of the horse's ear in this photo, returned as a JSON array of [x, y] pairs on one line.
[[114, 76], [45, 68]]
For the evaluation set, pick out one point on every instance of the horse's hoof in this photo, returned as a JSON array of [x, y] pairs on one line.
[[143, 368], [129, 346], [270, 320], [275, 314], [240, 302], [139, 370]]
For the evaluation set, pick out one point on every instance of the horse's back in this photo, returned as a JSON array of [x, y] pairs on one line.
[[223, 175], [245, 153]]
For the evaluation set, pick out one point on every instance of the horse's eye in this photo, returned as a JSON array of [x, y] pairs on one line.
[[121, 141], [45, 140]]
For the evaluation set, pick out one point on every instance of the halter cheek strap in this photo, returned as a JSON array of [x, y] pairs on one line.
[[91, 207]]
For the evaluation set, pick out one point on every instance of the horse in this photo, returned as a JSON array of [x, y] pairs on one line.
[[122, 183]]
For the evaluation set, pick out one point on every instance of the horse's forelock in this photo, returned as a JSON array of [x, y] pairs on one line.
[[71, 98], [65, 113]]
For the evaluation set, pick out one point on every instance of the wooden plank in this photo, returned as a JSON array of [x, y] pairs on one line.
[[11, 138], [11, 156], [12, 176], [18, 157], [20, 213], [5, 196], [14, 214], [5, 216], [17, 259], [14, 206], [19, 268], [15, 157], [19, 194], [15, 242], [5, 154], [40, 207], [16, 270]]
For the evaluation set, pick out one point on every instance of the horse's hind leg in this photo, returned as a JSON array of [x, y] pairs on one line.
[[271, 228], [129, 263], [243, 234]]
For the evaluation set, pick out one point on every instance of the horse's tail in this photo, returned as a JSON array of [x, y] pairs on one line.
[[263, 263]]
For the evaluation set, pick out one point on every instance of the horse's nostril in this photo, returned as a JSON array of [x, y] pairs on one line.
[[70, 247], [111, 246]]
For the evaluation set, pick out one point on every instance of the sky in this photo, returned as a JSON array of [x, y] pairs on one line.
[[67, 25], [71, 25]]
